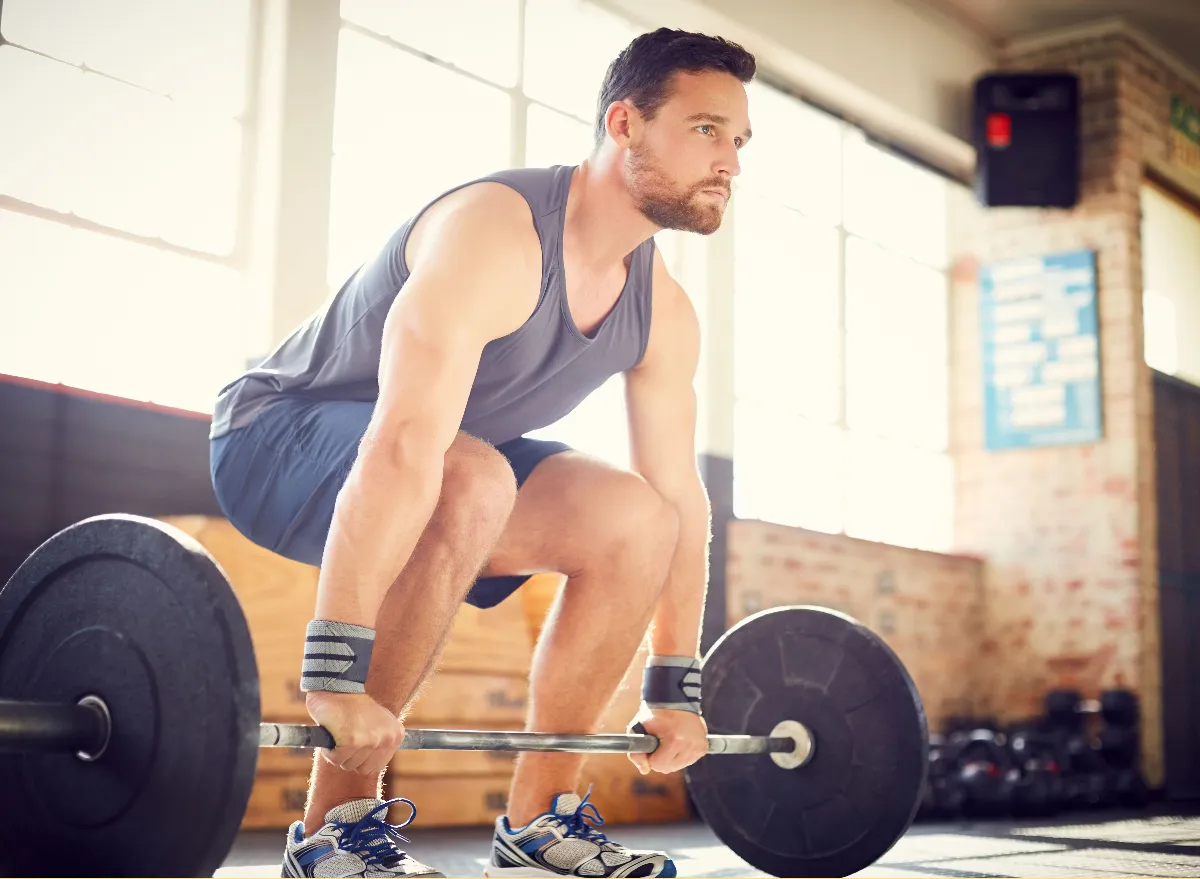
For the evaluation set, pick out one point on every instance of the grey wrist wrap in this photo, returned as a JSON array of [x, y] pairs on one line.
[[672, 682], [337, 657]]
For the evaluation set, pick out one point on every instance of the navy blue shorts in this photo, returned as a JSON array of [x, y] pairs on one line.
[[277, 478]]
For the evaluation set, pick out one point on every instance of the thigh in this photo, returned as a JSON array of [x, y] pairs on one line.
[[563, 511]]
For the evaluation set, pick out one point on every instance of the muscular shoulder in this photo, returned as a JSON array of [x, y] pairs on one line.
[[476, 214], [480, 243]]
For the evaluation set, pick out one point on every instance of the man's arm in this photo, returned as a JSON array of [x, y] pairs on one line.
[[475, 277], [661, 403]]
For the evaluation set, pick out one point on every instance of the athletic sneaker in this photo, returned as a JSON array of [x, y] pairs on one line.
[[355, 841], [565, 842]]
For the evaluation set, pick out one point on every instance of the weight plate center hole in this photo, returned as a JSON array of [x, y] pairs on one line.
[[96, 704], [806, 744]]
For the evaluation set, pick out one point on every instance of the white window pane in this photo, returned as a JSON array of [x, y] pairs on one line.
[[83, 144], [554, 139], [599, 426], [1170, 261], [1160, 331], [569, 45], [786, 469], [895, 203], [194, 52], [476, 35], [896, 347], [386, 166], [107, 315], [687, 256], [899, 495], [784, 131], [787, 343]]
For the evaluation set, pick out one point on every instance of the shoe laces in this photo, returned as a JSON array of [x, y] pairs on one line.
[[580, 823], [374, 839]]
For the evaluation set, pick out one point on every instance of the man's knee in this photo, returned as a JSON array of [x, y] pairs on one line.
[[478, 490], [631, 523]]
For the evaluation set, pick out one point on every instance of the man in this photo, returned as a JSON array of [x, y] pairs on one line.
[[384, 440]]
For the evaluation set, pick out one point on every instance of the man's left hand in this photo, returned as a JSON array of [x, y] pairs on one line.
[[682, 740]]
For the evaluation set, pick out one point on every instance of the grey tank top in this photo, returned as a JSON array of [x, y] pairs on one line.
[[526, 380]]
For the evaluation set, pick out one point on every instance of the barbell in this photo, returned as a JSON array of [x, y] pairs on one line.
[[129, 698]]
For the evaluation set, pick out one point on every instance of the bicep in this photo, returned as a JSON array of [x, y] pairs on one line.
[[426, 371]]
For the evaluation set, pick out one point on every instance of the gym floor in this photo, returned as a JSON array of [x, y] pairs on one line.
[[1100, 845]]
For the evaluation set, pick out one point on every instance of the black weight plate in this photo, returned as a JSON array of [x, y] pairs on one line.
[[134, 612], [858, 794]]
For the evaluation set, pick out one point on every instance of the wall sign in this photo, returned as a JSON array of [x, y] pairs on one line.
[[1041, 351], [1185, 135]]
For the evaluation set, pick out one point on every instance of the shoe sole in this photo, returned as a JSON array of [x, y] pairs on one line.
[[298, 874]]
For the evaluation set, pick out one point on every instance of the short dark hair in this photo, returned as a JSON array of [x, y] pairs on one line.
[[642, 72]]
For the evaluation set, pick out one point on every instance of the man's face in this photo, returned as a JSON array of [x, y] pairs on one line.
[[680, 168]]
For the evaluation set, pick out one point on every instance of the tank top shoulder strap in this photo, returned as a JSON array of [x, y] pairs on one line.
[[544, 190], [641, 269]]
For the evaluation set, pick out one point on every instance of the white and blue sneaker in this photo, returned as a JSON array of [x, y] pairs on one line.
[[565, 842], [356, 840]]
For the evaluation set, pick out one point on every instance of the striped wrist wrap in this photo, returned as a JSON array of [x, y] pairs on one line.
[[672, 682], [337, 657]]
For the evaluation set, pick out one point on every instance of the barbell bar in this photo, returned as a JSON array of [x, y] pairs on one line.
[[294, 735], [84, 728], [128, 681]]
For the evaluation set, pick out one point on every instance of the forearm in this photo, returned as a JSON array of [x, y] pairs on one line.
[[679, 615], [380, 514]]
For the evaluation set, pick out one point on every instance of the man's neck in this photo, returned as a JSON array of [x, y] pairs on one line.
[[603, 225]]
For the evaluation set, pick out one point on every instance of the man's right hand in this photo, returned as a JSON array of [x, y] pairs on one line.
[[365, 733]]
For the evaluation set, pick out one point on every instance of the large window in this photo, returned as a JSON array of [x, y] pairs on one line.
[[127, 213], [120, 181], [841, 354]]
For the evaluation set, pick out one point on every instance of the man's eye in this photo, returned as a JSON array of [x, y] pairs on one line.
[[704, 129], [737, 142]]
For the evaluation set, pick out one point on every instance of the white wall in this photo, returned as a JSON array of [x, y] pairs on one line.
[[1171, 284]]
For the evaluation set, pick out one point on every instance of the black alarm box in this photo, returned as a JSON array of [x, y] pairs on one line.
[[1025, 130]]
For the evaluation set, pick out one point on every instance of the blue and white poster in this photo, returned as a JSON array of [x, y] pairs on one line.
[[1041, 351]]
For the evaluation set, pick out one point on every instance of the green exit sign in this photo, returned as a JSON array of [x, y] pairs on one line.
[[1185, 118], [1185, 134]]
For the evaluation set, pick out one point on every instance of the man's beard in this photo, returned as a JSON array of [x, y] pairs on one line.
[[662, 204]]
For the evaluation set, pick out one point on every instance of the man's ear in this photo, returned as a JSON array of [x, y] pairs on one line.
[[623, 123]]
